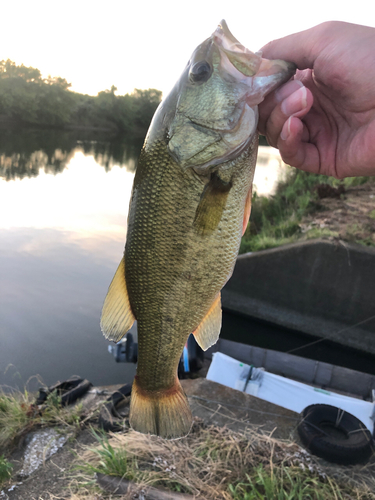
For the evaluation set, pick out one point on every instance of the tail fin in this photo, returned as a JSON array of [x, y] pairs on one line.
[[164, 413]]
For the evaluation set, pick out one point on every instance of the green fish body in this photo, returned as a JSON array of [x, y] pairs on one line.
[[190, 205]]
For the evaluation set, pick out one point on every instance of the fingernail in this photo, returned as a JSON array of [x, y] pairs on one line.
[[286, 90], [285, 131], [295, 102]]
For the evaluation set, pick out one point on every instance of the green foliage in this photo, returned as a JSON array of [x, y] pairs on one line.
[[5, 469], [18, 415], [284, 483], [13, 417], [216, 463], [275, 220], [9, 69], [129, 114], [350, 181], [27, 98], [110, 461]]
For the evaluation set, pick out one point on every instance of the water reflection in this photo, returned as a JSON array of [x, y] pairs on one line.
[[83, 198], [29, 152], [61, 239], [269, 171], [52, 287]]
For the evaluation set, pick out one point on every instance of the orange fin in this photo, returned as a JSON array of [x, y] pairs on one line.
[[208, 331], [117, 316], [246, 215], [164, 413]]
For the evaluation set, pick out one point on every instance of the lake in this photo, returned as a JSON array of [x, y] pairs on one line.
[[64, 199]]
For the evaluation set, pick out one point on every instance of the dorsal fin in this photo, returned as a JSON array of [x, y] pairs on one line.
[[117, 316]]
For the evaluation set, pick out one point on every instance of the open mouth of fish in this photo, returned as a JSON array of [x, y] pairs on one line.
[[223, 60]]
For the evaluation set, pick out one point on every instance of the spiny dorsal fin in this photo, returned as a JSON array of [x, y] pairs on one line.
[[208, 331], [117, 316]]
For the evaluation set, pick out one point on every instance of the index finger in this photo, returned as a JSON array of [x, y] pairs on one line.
[[273, 99]]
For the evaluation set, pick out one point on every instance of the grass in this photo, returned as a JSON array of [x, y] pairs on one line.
[[275, 220], [284, 483], [216, 463], [109, 460], [5, 469], [19, 415]]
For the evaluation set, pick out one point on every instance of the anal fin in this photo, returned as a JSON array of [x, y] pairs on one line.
[[117, 316], [208, 331]]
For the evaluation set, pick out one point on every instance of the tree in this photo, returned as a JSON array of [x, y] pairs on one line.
[[9, 69], [28, 98]]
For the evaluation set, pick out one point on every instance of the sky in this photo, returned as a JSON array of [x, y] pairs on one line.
[[146, 44]]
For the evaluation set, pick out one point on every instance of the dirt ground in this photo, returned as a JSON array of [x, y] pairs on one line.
[[349, 216], [49, 481], [210, 402]]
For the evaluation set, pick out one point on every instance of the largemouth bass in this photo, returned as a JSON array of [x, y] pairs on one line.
[[189, 207]]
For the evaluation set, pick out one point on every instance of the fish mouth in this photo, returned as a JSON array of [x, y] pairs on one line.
[[253, 76], [250, 69], [216, 114]]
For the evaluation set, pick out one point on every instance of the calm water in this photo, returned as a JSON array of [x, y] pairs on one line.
[[63, 210]]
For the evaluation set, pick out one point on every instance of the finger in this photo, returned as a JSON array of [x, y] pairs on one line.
[[297, 104], [300, 48], [294, 151], [273, 99]]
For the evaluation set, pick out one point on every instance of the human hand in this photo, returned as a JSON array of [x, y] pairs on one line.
[[323, 121]]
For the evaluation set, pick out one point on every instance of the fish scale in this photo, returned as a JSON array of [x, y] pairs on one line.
[[190, 204]]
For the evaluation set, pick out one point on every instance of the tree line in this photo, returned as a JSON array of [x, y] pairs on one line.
[[27, 98]]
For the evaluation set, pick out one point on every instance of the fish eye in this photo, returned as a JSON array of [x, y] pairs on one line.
[[200, 72]]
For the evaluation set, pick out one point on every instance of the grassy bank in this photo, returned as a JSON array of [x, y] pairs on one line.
[[216, 463], [288, 215], [212, 462], [19, 415]]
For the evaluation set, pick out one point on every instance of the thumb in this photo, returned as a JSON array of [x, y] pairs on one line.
[[300, 48]]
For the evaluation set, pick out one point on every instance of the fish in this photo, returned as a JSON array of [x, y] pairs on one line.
[[190, 205]]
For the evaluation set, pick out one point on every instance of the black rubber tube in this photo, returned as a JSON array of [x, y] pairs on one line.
[[69, 390], [109, 418], [335, 435]]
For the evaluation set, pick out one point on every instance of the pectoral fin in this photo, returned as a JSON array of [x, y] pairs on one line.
[[117, 316], [208, 331], [211, 205], [246, 215]]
